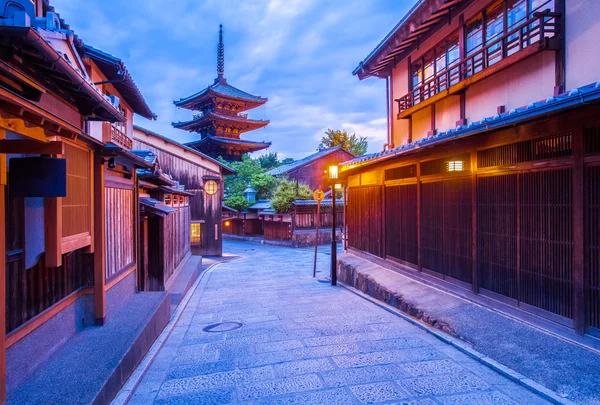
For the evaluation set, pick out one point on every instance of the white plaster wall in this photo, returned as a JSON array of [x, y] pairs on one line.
[[399, 88], [527, 81], [421, 124], [583, 34], [447, 112]]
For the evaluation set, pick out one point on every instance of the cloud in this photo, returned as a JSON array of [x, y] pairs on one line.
[[298, 53]]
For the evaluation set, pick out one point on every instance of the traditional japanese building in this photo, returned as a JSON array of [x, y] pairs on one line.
[[220, 121], [488, 183]]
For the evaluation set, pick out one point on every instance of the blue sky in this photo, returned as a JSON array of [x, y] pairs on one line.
[[298, 53]]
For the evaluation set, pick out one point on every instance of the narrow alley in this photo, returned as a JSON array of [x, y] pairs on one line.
[[259, 329]]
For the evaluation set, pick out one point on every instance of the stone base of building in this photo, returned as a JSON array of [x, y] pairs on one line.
[[68, 360]]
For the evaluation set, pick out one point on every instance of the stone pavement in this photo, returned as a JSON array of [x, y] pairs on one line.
[[302, 341]]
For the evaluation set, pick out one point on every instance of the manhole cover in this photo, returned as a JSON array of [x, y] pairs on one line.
[[222, 327]]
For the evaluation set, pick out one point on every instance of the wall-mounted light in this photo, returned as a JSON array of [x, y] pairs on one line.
[[455, 166], [227, 223], [333, 172], [338, 186], [211, 187]]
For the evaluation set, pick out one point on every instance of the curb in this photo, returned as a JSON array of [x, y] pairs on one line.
[[127, 390], [507, 372]]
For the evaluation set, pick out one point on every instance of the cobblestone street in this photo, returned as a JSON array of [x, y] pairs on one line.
[[302, 341]]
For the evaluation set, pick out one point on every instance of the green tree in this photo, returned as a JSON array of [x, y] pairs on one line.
[[249, 171], [237, 202], [357, 145], [287, 160], [269, 161], [264, 184], [285, 194]]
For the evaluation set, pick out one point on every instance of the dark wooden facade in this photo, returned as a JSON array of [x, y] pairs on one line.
[[518, 224], [312, 169], [192, 169]]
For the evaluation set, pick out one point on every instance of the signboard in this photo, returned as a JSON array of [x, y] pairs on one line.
[[318, 195]]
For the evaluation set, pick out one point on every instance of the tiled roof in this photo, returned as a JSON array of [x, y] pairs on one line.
[[260, 205], [226, 169], [223, 89], [229, 141], [302, 162], [114, 69], [324, 203], [213, 115], [147, 155], [552, 105]]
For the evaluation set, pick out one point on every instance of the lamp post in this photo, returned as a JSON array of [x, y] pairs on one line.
[[333, 176]]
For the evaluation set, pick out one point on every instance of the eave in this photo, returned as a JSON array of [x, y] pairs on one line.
[[236, 121], [117, 74], [61, 75]]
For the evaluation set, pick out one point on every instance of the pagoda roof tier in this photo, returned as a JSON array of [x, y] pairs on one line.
[[228, 148], [220, 89], [211, 118]]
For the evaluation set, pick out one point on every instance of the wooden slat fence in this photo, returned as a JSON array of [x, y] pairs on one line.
[[119, 219]]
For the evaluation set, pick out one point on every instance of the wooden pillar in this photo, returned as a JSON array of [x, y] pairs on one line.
[[136, 230], [419, 216], [99, 248], [560, 54], [2, 275], [475, 274], [579, 282]]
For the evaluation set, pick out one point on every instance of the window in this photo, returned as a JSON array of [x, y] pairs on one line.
[[196, 233], [168, 200], [474, 34], [494, 30]]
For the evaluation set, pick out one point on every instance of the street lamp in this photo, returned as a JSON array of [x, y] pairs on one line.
[[333, 176]]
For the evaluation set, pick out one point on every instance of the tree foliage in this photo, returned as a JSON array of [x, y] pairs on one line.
[[269, 161], [249, 171], [286, 193], [357, 145]]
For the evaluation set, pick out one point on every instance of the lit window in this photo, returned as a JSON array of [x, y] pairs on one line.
[[211, 187], [196, 233], [456, 166]]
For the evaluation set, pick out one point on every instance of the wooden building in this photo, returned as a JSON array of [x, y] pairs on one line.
[[310, 170], [220, 120], [489, 180], [202, 176]]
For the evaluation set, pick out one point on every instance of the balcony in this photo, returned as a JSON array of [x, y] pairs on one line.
[[534, 35], [115, 135]]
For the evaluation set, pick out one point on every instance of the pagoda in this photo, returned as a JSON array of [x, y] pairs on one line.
[[219, 119]]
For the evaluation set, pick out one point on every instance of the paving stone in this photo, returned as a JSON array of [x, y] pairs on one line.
[[200, 369], [327, 397], [301, 344], [432, 367], [212, 396], [443, 384], [303, 367], [216, 380], [483, 398], [279, 387], [275, 346], [354, 376], [368, 359], [377, 392]]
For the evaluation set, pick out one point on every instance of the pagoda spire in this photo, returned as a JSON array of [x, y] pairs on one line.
[[220, 56]]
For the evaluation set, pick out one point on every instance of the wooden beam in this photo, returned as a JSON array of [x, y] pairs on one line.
[[99, 248], [475, 273], [19, 126], [53, 231], [579, 279], [34, 147]]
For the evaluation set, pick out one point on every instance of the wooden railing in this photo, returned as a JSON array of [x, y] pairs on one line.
[[536, 30], [113, 134]]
